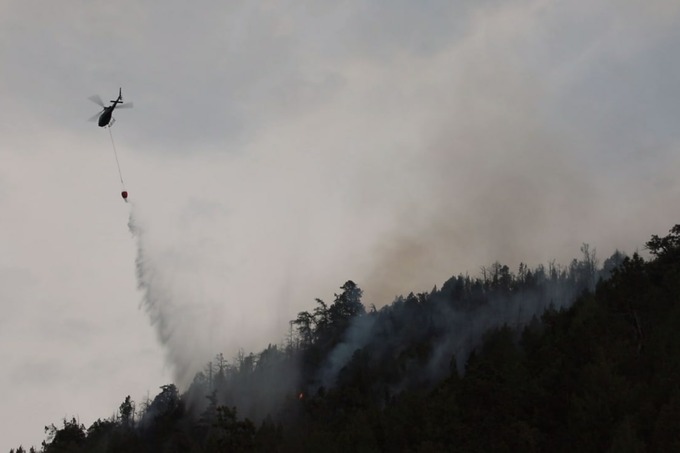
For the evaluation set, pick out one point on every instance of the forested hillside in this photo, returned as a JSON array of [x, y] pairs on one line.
[[582, 357]]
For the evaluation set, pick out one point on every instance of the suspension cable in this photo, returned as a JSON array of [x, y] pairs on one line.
[[115, 153]]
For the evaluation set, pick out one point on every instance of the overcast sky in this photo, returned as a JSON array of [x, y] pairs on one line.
[[279, 148]]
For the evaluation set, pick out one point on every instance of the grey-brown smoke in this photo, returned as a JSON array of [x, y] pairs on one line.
[[396, 152], [535, 144]]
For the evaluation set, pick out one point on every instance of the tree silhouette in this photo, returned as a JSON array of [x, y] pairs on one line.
[[549, 359]]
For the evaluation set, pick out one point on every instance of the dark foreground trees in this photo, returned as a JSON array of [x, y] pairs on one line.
[[600, 375]]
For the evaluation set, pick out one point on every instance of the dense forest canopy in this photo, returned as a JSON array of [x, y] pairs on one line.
[[545, 359]]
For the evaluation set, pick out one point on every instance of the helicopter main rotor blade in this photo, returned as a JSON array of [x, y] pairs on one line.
[[97, 100], [95, 117], [126, 105]]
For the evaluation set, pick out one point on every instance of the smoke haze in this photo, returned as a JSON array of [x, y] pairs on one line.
[[278, 149], [398, 166]]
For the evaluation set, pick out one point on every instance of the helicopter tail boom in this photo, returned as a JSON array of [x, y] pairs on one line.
[[120, 96]]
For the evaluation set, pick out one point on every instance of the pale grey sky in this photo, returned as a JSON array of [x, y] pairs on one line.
[[278, 149]]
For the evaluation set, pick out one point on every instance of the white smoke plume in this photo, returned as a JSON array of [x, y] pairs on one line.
[[481, 136]]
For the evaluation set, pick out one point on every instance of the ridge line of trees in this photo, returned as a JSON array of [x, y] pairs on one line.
[[547, 359]]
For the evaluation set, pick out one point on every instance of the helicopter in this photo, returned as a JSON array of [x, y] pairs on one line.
[[105, 116]]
